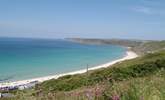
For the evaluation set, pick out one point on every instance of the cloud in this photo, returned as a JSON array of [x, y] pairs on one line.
[[149, 10], [144, 10], [153, 2]]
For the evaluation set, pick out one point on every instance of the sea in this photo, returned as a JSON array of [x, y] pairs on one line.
[[25, 58]]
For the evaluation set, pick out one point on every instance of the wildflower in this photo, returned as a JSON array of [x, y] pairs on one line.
[[89, 95], [116, 97]]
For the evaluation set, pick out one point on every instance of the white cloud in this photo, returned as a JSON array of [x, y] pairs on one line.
[[149, 10], [153, 2], [144, 10]]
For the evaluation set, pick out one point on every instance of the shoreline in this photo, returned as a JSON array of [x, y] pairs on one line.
[[129, 55]]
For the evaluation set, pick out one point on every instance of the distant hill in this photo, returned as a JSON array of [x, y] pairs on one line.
[[122, 42], [139, 46]]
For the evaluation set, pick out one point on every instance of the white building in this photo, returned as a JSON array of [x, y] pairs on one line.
[[0, 95]]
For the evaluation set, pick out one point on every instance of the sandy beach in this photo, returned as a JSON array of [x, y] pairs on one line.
[[129, 55]]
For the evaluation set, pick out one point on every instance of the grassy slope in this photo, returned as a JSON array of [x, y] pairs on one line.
[[139, 46], [138, 79], [149, 46]]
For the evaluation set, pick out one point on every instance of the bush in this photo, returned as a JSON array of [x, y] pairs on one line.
[[144, 66]]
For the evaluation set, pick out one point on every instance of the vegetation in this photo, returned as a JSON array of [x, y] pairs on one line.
[[149, 47], [141, 47], [139, 67], [122, 42], [137, 79], [142, 78]]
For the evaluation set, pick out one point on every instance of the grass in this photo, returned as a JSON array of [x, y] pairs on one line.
[[138, 79], [144, 88], [130, 69], [150, 46]]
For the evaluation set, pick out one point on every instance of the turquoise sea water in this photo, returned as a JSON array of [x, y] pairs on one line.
[[29, 58]]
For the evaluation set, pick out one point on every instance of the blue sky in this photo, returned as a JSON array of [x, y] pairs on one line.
[[136, 19]]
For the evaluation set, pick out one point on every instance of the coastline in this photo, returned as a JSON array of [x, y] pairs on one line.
[[129, 55]]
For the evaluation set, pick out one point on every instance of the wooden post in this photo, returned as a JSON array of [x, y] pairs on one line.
[[87, 76], [87, 69]]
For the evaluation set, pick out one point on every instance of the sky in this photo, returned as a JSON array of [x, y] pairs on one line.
[[128, 19]]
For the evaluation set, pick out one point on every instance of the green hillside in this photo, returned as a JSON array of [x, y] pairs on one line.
[[138, 79], [150, 46], [141, 47]]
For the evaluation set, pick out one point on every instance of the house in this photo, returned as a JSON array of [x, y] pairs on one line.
[[0, 95], [6, 95]]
